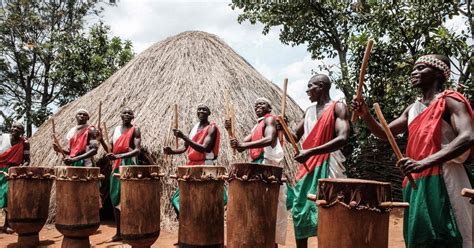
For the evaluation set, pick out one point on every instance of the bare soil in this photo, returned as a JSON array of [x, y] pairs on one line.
[[50, 237]]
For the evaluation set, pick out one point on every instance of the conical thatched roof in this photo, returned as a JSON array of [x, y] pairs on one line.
[[186, 69]]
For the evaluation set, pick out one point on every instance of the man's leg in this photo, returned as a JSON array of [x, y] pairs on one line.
[[117, 236], [6, 227], [302, 243]]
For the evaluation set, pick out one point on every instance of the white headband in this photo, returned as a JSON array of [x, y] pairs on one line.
[[436, 63]]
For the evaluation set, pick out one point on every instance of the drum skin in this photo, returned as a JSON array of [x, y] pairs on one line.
[[252, 205], [140, 204], [201, 204], [29, 191], [77, 204], [351, 216]]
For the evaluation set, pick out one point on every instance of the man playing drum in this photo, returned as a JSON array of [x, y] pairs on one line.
[[265, 148], [14, 151], [202, 148], [126, 145], [440, 138], [81, 142], [325, 130]]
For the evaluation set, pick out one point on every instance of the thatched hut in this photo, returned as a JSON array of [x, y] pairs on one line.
[[186, 69]]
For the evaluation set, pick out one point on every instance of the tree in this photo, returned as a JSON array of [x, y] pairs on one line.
[[38, 47]]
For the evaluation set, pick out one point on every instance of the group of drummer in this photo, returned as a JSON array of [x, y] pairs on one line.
[[440, 139]]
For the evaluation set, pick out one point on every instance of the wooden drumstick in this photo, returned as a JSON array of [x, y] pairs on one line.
[[283, 99], [176, 123], [107, 141], [392, 141], [288, 134], [100, 114], [363, 68], [55, 139], [230, 115]]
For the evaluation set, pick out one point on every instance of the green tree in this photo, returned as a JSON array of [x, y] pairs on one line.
[[38, 48]]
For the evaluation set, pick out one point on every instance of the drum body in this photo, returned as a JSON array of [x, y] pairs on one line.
[[350, 213], [201, 204], [252, 205], [140, 204], [29, 190], [77, 204]]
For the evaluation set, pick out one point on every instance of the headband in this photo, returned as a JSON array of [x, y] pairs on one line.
[[436, 63]]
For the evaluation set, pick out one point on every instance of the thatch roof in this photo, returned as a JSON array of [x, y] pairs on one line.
[[186, 69]]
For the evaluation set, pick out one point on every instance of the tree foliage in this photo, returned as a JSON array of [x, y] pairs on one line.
[[47, 59]]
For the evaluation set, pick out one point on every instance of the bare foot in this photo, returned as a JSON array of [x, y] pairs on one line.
[[6, 230], [117, 238]]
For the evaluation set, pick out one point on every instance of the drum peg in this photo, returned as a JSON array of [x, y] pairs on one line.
[[352, 204], [29, 173], [101, 177], [74, 177], [153, 174], [245, 177], [5, 173], [161, 174], [46, 175], [185, 177], [140, 176], [52, 177], [83, 179], [173, 176]]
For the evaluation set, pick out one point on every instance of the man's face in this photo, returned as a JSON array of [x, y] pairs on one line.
[[17, 130], [82, 118], [203, 113], [261, 108], [127, 115], [423, 75], [315, 88]]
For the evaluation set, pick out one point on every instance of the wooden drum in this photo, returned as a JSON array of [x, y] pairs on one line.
[[77, 204], [353, 213], [201, 204], [29, 190], [140, 204], [252, 206]]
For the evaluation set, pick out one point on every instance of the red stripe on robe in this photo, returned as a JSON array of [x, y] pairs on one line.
[[425, 134], [321, 133], [14, 155], [198, 158], [257, 134], [122, 145], [78, 142]]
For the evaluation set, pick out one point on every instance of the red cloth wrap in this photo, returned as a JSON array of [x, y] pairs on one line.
[[14, 155], [78, 142], [425, 134], [122, 145], [321, 133], [198, 158], [257, 134]]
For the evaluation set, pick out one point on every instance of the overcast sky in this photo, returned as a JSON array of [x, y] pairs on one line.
[[146, 22]]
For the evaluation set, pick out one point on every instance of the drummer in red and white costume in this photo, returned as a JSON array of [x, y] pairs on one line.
[[265, 148], [14, 151], [202, 147], [81, 142]]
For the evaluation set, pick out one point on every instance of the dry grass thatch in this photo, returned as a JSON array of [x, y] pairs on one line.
[[186, 69]]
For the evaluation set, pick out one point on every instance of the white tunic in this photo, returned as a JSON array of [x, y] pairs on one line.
[[336, 158], [117, 133], [455, 178], [209, 155], [5, 143], [72, 132]]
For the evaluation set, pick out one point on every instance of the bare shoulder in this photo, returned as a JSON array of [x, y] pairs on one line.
[[137, 132], [340, 110], [455, 106]]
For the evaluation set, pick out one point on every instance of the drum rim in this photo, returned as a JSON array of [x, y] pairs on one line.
[[353, 181]]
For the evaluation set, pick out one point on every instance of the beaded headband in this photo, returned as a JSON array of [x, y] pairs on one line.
[[82, 111], [436, 63]]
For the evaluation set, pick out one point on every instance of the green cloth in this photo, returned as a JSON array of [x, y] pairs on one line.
[[3, 188], [430, 220], [305, 212], [115, 181], [79, 163]]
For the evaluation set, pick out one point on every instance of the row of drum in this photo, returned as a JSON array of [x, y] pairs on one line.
[[251, 214], [351, 212]]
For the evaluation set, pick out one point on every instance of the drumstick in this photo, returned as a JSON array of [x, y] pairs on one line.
[[363, 68], [176, 124], [283, 98], [55, 139], [100, 114], [107, 141], [392, 141], [229, 116], [290, 138]]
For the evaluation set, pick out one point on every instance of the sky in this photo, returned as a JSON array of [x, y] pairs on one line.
[[145, 22]]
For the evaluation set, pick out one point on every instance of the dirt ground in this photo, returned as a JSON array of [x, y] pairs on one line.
[[50, 237]]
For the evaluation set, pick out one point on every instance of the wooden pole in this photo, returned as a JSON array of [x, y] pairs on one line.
[[283, 99], [290, 138], [363, 69], [100, 114], [392, 141], [105, 136], [55, 139], [176, 123]]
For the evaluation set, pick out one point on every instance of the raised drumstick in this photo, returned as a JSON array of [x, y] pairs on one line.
[[363, 69], [392, 141], [55, 139], [290, 138], [176, 123]]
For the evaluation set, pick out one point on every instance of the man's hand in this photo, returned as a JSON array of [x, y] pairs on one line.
[[178, 133], [279, 127], [98, 134], [409, 165], [68, 160], [235, 144], [56, 147], [111, 156], [359, 107], [167, 150], [302, 156]]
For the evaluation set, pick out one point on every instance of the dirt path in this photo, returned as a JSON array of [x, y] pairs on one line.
[[50, 237]]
